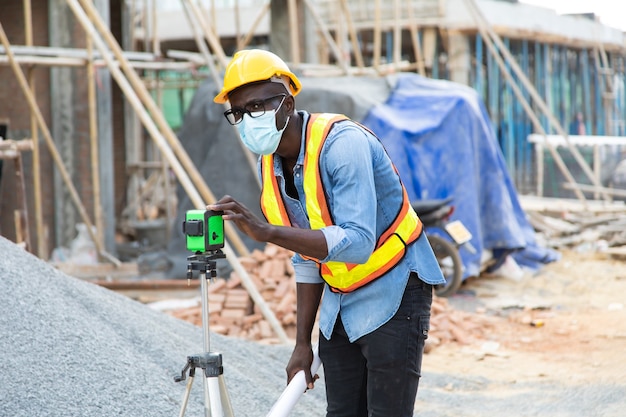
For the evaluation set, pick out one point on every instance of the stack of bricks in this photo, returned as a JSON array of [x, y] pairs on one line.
[[233, 313], [231, 310]]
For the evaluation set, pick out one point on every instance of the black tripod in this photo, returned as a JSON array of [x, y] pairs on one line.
[[216, 399]]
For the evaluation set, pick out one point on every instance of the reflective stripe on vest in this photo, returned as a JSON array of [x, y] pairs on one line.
[[391, 245]]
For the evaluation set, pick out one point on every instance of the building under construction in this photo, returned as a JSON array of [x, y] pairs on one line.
[[95, 92]]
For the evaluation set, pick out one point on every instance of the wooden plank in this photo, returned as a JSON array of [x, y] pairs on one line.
[[150, 284], [591, 188], [16, 145], [531, 203], [78, 54], [36, 163], [618, 251], [551, 225], [79, 62], [123, 270], [578, 140]]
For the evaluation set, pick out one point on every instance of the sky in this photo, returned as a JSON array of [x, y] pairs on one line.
[[611, 12]]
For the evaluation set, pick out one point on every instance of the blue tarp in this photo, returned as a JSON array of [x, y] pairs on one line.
[[440, 138]]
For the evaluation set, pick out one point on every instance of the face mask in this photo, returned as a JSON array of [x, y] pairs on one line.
[[259, 134]]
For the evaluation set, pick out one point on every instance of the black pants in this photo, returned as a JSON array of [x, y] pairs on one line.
[[378, 374]]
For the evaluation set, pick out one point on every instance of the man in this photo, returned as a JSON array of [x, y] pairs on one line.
[[331, 194]]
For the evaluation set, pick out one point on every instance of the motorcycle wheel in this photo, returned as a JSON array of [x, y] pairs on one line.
[[450, 263]]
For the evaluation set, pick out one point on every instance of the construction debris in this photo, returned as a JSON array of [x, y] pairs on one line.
[[592, 226], [448, 325]]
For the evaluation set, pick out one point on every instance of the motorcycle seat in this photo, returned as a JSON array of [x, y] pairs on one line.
[[423, 207]]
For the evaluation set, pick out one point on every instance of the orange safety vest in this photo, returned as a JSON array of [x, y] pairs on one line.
[[391, 245]]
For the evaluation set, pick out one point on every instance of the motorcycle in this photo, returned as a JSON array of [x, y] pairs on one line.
[[435, 214]]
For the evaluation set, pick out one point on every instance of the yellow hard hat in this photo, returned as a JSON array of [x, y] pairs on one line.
[[253, 65]]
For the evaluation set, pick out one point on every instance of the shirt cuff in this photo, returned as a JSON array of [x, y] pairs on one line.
[[307, 273], [336, 239]]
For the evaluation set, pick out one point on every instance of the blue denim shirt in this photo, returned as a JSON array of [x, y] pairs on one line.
[[363, 195]]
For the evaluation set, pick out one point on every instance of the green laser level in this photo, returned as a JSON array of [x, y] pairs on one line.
[[204, 230]]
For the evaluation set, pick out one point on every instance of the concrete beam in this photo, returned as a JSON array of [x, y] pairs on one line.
[[523, 21]]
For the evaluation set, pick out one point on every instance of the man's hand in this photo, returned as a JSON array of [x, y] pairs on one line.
[[301, 359], [306, 242], [243, 218]]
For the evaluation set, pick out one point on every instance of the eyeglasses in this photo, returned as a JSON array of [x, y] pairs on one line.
[[253, 109]]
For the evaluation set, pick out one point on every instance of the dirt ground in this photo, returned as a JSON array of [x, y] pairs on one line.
[[564, 326]]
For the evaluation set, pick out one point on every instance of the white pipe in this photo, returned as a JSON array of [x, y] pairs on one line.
[[294, 390]]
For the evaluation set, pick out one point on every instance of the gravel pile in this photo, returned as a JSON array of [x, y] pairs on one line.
[[71, 348]]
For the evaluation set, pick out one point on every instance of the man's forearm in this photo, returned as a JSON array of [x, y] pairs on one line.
[[306, 242], [308, 299]]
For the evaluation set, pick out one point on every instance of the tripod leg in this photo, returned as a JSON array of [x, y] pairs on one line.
[[186, 396], [228, 408], [216, 401], [207, 400]]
